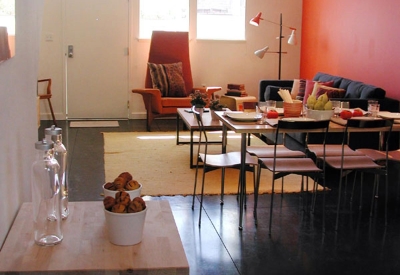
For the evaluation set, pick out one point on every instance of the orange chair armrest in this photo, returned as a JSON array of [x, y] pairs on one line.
[[209, 90], [154, 92]]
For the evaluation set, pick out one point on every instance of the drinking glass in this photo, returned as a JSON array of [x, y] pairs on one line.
[[336, 107], [373, 108], [344, 105], [259, 114], [271, 105]]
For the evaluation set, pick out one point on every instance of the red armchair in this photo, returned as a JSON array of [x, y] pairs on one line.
[[168, 48]]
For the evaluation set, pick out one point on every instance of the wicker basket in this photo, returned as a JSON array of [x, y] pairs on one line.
[[292, 109]]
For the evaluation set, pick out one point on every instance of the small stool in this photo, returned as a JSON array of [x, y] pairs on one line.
[[235, 103]]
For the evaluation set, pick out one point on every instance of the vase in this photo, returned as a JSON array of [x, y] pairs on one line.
[[199, 109], [214, 116]]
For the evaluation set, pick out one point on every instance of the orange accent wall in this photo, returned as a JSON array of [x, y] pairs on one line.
[[357, 39]]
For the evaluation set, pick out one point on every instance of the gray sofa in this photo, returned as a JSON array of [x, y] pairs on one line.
[[357, 93]]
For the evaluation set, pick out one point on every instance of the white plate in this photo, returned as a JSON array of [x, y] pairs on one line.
[[242, 116], [298, 119], [389, 115]]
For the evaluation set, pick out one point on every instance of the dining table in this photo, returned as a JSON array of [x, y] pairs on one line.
[[244, 127]]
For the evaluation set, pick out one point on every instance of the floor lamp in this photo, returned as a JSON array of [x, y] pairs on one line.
[[292, 39]]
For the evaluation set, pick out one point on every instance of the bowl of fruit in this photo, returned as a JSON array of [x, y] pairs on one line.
[[319, 108]]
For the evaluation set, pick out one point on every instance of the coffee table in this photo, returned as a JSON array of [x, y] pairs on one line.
[[85, 248], [191, 124]]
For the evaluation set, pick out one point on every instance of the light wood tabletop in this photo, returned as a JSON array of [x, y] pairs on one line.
[[85, 248]]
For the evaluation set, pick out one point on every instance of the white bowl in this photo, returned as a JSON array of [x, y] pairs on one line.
[[125, 228], [320, 114], [132, 193]]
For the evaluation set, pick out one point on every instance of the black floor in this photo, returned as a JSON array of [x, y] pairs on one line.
[[296, 245]]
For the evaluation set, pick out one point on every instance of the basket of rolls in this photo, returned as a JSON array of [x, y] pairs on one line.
[[125, 217]]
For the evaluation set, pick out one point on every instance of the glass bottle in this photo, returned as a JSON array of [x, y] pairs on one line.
[[54, 134], [46, 196]]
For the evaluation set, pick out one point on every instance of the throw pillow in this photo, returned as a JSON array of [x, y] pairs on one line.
[[330, 92], [298, 88], [168, 78], [159, 78], [310, 88]]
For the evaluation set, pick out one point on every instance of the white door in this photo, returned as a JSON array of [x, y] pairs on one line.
[[96, 45]]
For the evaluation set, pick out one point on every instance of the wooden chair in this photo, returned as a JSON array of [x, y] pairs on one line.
[[217, 161], [47, 96], [167, 48]]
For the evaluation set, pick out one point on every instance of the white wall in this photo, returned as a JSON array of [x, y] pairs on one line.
[[18, 121], [214, 63]]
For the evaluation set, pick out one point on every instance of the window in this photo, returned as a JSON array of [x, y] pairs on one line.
[[163, 15], [216, 19], [221, 19]]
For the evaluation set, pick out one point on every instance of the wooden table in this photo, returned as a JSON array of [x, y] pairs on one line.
[[86, 249], [245, 128], [190, 122]]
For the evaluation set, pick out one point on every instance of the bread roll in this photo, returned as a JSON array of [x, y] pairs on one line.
[[119, 183], [132, 185], [123, 198], [126, 175]]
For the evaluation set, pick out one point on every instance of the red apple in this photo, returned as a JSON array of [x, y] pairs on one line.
[[346, 114], [357, 112], [272, 114]]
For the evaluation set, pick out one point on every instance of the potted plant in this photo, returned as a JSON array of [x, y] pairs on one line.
[[199, 99], [215, 105]]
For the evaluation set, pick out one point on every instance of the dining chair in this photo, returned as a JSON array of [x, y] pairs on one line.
[[46, 95], [267, 151], [379, 156], [217, 161], [303, 166], [361, 163]]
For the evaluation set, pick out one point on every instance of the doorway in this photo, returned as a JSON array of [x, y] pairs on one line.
[[97, 61]]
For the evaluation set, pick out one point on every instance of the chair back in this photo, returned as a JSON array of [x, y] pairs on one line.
[[304, 126], [47, 88], [379, 125], [170, 47], [202, 132]]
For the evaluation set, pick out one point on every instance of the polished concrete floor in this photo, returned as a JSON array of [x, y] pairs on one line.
[[297, 245]]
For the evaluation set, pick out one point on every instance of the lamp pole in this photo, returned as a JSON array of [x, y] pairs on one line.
[[280, 48]]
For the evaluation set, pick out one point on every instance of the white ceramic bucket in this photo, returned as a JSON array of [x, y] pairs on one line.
[[125, 228], [132, 193]]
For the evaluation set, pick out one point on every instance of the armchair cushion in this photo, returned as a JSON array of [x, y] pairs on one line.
[[168, 78]]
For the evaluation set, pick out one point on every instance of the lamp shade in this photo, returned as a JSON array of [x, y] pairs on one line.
[[292, 38], [256, 20], [260, 53]]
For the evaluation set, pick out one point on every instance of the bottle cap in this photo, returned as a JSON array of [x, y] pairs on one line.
[[44, 145], [53, 130]]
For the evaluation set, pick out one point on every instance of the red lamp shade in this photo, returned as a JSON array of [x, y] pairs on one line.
[[256, 20]]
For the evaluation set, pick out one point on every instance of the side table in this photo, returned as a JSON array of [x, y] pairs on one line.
[[234, 102]]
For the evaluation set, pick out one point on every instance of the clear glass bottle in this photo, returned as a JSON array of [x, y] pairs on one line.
[[54, 134], [46, 196]]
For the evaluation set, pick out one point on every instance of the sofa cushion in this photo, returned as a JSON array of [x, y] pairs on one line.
[[361, 90], [168, 78], [271, 92], [310, 88], [323, 77], [330, 92], [298, 88]]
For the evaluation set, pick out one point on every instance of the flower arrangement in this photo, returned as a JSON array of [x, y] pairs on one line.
[[199, 99], [216, 105]]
